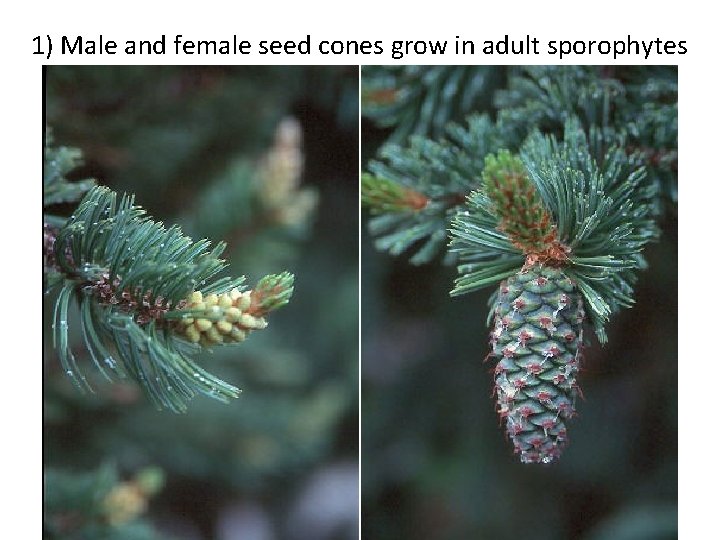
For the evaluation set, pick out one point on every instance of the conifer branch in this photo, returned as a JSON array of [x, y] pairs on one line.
[[422, 100], [131, 277], [381, 195], [603, 215], [598, 203], [415, 191], [562, 191], [637, 104], [59, 161]]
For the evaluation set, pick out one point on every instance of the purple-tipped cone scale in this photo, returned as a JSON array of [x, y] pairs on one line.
[[537, 340]]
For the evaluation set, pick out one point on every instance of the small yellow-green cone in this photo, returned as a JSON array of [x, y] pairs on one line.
[[124, 503], [218, 318]]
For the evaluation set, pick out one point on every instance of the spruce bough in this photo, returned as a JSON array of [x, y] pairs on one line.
[[149, 297], [559, 224], [580, 228]]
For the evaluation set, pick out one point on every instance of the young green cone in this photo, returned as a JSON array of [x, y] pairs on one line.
[[538, 339]]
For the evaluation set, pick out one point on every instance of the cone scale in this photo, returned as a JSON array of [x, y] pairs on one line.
[[537, 341]]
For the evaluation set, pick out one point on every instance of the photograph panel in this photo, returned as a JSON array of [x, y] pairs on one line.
[[512, 216], [200, 322]]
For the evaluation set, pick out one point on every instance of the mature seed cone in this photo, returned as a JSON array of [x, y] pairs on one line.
[[538, 339]]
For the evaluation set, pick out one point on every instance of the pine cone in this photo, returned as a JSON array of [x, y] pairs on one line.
[[221, 318], [537, 339]]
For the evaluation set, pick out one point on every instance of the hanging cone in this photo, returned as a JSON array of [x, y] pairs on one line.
[[538, 339]]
